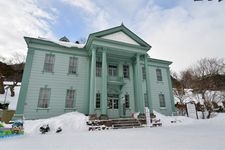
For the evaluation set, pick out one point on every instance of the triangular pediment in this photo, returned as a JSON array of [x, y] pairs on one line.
[[120, 37], [120, 34]]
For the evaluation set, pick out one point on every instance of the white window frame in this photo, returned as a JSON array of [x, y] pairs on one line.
[[113, 70], [49, 63], [159, 74], [162, 101], [44, 97], [70, 98], [73, 63]]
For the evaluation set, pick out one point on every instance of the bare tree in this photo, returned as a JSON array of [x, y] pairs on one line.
[[82, 40], [17, 62], [17, 58], [204, 82], [180, 92], [208, 67], [2, 89]]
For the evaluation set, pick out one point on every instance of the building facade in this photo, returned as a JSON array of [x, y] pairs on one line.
[[111, 74]]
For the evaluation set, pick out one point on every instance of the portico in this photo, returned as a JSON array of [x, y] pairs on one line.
[[114, 56]]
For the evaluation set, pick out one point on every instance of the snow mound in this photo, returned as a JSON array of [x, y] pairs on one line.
[[167, 120], [69, 122]]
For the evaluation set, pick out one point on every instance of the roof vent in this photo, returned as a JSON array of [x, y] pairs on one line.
[[64, 39]]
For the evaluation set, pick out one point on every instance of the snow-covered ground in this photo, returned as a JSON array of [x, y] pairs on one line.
[[186, 134]]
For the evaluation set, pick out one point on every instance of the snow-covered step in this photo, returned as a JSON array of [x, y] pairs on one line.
[[125, 123]]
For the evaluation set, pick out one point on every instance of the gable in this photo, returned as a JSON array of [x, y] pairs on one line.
[[120, 34], [120, 37]]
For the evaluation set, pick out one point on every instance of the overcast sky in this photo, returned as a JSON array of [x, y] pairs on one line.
[[181, 31]]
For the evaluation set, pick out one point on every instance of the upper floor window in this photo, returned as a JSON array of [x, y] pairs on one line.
[[112, 70], [143, 73], [49, 63], [162, 102], [44, 96], [98, 100], [72, 65], [70, 98], [127, 101], [159, 74], [126, 71], [98, 69]]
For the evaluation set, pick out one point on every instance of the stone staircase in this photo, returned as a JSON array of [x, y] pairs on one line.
[[124, 123]]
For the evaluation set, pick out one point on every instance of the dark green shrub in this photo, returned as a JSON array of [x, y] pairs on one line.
[[1, 125], [8, 132]]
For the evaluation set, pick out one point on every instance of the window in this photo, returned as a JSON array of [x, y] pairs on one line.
[[159, 74], [126, 71], [44, 97], [110, 103], [98, 69], [70, 98], [49, 63], [116, 104], [143, 73], [98, 100], [112, 71], [127, 101], [162, 102], [73, 65], [146, 99]]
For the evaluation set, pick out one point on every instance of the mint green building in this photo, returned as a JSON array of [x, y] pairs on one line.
[[111, 74]]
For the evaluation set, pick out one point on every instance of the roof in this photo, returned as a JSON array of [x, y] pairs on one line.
[[61, 43]]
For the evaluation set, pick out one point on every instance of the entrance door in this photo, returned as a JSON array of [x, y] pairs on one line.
[[113, 105]]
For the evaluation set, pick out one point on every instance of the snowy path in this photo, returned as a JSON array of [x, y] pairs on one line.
[[199, 135]]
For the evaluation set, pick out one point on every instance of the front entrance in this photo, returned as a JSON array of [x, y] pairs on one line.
[[113, 105]]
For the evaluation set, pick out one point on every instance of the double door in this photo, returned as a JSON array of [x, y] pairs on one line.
[[113, 105]]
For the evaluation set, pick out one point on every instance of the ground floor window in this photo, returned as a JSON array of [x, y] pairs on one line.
[[70, 98], [162, 102], [127, 101], [98, 100], [44, 96]]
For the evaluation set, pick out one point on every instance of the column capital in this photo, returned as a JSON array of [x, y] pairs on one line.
[[104, 48], [147, 55], [93, 48]]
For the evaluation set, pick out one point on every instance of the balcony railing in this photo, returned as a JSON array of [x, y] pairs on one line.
[[116, 80]]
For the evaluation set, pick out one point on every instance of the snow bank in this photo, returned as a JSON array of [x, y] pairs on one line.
[[166, 120], [69, 122]]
